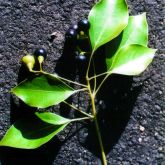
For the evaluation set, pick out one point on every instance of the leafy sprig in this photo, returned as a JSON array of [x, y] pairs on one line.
[[108, 20]]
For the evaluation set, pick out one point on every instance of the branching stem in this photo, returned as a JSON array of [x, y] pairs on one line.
[[75, 108], [95, 82], [40, 67], [92, 96], [98, 75], [79, 119], [62, 78], [70, 81], [101, 83], [89, 64]]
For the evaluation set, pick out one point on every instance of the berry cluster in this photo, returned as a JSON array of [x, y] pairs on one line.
[[79, 33], [77, 30], [29, 60]]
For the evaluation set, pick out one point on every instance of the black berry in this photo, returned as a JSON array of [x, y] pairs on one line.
[[81, 58], [81, 64], [74, 27], [71, 34], [40, 52], [83, 25]]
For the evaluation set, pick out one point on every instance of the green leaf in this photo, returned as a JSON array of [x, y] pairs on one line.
[[52, 118], [31, 133], [107, 19], [43, 91], [130, 60], [136, 31]]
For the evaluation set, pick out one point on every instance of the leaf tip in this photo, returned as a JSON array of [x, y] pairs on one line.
[[144, 14], [153, 50], [12, 90]]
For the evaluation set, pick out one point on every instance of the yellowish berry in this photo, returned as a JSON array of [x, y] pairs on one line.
[[29, 61]]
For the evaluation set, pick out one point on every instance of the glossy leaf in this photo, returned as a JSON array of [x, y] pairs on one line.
[[107, 19], [131, 60], [31, 133], [52, 118], [136, 31], [43, 91], [112, 47]]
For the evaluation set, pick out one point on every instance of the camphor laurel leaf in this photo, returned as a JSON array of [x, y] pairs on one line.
[[107, 18], [132, 56], [43, 91], [136, 32], [131, 60], [32, 132]]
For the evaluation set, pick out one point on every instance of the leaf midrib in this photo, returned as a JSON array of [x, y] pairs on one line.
[[48, 91]]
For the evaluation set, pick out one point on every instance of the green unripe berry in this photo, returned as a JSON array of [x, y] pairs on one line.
[[40, 59], [29, 61]]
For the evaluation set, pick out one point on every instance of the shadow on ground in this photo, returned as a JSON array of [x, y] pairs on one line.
[[42, 155], [114, 110], [114, 103]]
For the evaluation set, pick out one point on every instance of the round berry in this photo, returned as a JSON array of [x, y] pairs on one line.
[[81, 64], [81, 58], [29, 61], [84, 25], [40, 52], [74, 26], [71, 34]]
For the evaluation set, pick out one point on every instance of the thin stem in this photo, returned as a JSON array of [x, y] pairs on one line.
[[82, 89], [102, 83], [40, 67], [75, 108], [70, 81], [87, 73], [92, 96], [95, 83], [100, 141], [83, 118], [34, 71], [62, 78], [78, 48], [98, 75]]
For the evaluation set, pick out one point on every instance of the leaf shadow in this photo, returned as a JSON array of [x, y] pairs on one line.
[[42, 155], [115, 105], [46, 153], [65, 65], [115, 102], [66, 68]]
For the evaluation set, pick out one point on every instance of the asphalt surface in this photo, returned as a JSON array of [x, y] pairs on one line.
[[131, 111]]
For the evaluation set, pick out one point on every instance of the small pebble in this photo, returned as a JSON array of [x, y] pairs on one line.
[[52, 36], [160, 148], [142, 128], [140, 140]]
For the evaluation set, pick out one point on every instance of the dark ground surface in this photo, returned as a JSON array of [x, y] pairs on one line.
[[134, 128]]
